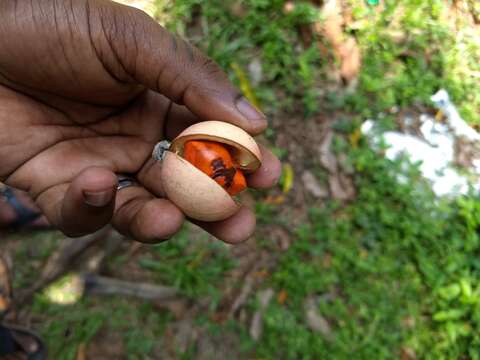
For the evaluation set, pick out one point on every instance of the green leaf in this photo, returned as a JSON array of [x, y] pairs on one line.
[[449, 292], [453, 314]]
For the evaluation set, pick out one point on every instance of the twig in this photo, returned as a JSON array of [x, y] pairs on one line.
[[60, 262], [256, 327], [100, 285]]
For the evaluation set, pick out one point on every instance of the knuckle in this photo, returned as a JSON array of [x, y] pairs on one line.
[[210, 68]]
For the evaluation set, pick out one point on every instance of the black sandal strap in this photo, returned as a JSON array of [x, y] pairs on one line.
[[9, 345], [7, 342], [24, 215]]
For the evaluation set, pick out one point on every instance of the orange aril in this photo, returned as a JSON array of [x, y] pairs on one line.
[[214, 160]]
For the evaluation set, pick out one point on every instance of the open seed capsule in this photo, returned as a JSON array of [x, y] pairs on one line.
[[205, 165]]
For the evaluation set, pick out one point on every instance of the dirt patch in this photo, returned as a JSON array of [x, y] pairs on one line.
[[107, 345]]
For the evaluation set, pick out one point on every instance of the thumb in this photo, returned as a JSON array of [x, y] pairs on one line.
[[165, 63]]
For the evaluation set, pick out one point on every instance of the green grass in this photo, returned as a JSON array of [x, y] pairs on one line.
[[409, 51], [66, 327], [402, 265], [237, 32], [193, 266], [395, 254]]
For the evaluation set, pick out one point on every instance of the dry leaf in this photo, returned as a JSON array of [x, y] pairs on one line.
[[327, 158], [315, 320], [81, 352], [245, 85], [256, 71], [327, 260], [345, 48], [355, 137], [312, 185], [408, 353], [256, 326], [350, 56], [282, 297], [288, 176], [261, 274], [408, 322], [341, 187], [274, 200]]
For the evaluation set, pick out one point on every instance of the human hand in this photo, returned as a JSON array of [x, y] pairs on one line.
[[87, 88]]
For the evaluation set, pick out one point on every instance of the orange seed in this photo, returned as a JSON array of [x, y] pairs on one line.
[[214, 160]]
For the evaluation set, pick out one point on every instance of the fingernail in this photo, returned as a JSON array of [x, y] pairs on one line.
[[98, 199], [248, 110]]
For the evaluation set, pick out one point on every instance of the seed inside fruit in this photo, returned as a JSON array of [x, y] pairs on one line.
[[214, 160]]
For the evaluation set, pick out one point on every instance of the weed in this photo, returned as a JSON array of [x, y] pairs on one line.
[[401, 273], [193, 266]]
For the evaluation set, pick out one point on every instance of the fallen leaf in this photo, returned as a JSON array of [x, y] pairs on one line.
[[238, 9], [261, 273], [274, 200], [81, 352], [345, 165], [327, 260], [256, 327], [345, 48], [255, 71], [333, 23], [351, 58], [313, 186], [67, 290], [408, 353], [177, 306], [315, 320], [355, 137], [341, 187], [282, 297], [280, 236], [288, 176], [408, 322], [243, 296], [327, 158], [59, 263], [219, 317], [245, 85]]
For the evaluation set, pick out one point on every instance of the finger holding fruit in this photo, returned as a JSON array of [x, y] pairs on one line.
[[204, 168]]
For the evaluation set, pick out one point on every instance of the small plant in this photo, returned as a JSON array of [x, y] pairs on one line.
[[194, 266], [395, 270], [236, 32]]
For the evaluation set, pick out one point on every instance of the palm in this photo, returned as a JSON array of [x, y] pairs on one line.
[[102, 122], [62, 142], [74, 111]]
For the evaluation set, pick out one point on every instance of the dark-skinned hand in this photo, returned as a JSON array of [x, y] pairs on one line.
[[87, 88]]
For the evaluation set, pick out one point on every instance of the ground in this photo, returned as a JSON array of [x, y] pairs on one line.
[[347, 262]]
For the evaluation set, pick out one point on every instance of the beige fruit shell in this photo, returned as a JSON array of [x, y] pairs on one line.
[[194, 192]]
